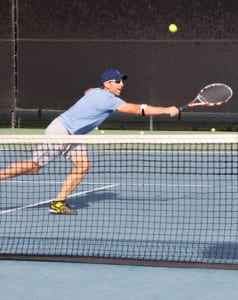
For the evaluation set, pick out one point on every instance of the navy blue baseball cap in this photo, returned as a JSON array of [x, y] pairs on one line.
[[112, 74]]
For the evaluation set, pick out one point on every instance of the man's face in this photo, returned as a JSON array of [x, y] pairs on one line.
[[114, 86]]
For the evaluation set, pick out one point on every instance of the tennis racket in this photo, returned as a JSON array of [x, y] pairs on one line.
[[211, 95]]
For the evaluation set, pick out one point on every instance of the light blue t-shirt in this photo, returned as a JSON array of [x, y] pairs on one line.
[[90, 111]]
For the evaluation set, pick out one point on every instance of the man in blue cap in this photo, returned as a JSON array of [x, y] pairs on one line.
[[85, 115]]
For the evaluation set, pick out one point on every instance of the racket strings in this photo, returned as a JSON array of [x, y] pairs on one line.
[[215, 94]]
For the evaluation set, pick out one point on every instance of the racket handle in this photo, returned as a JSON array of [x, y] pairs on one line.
[[183, 107]]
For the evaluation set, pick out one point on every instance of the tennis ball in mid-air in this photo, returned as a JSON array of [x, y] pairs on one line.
[[213, 129], [142, 132], [102, 131], [173, 28]]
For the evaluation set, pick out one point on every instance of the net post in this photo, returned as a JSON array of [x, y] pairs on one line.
[[151, 124], [14, 4]]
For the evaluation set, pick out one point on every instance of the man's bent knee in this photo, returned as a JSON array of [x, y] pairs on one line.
[[35, 168], [82, 168]]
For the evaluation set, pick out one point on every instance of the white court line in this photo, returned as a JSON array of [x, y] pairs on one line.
[[50, 200], [123, 184], [10, 181]]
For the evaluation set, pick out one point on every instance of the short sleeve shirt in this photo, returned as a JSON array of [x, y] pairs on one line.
[[90, 111]]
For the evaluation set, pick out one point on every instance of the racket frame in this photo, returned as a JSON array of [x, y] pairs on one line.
[[200, 101]]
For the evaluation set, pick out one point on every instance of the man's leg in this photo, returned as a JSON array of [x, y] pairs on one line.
[[80, 169], [19, 168]]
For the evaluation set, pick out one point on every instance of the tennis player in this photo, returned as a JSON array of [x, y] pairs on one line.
[[84, 116]]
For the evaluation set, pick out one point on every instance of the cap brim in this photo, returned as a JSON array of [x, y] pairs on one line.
[[124, 76]]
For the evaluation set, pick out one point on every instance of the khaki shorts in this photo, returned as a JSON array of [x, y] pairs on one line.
[[46, 153]]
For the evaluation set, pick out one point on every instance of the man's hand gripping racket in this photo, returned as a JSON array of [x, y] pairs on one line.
[[211, 95]]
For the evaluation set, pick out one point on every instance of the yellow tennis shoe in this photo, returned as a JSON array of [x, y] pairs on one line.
[[62, 208]]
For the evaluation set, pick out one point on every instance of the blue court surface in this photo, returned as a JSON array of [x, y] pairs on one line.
[[61, 281], [173, 207]]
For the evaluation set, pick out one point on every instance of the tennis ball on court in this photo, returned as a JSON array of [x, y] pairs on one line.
[[102, 131], [142, 132], [96, 128], [173, 28], [213, 129]]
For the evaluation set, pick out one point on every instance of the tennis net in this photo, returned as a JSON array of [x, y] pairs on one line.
[[149, 199]]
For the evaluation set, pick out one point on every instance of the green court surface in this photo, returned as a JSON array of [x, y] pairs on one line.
[[34, 131]]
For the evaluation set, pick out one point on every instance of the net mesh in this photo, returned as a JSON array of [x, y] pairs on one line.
[[148, 198]]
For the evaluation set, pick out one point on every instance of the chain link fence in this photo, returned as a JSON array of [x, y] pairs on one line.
[[189, 121]]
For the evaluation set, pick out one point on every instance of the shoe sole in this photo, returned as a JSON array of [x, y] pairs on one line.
[[52, 211]]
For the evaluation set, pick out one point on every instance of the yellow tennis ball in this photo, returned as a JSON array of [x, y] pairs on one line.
[[142, 132], [102, 131], [213, 130], [173, 28], [96, 128]]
